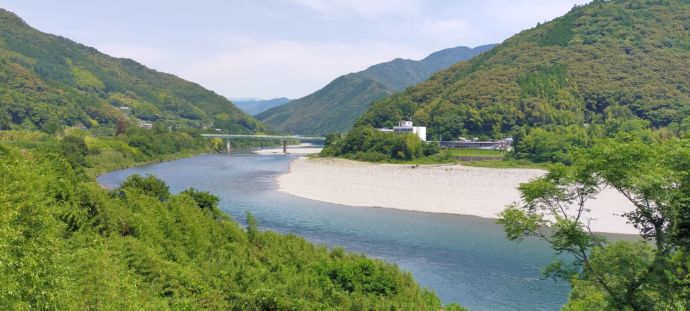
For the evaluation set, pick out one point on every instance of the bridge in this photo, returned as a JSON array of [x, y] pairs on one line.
[[283, 138]]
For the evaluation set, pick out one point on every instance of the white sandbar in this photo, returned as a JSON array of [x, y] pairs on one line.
[[300, 149], [450, 189]]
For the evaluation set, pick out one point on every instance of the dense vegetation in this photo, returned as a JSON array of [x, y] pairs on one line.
[[369, 144], [68, 244], [554, 143], [49, 82], [622, 275], [91, 155], [337, 106], [602, 68]]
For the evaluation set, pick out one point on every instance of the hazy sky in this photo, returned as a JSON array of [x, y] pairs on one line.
[[273, 48]]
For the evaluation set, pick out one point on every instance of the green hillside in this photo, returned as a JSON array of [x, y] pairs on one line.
[[336, 107], [48, 82], [349, 96], [601, 63]]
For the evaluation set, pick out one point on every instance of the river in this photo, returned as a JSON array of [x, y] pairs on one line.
[[463, 259]]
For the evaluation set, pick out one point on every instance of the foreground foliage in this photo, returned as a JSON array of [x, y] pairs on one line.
[[623, 275], [68, 244]]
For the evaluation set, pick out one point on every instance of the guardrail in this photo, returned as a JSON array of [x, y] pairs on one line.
[[230, 136]]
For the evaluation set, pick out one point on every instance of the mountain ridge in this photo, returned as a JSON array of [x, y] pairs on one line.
[[50, 82], [255, 106], [599, 62], [336, 106]]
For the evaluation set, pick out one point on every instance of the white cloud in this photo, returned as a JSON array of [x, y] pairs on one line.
[[526, 12], [364, 8], [452, 32], [245, 67], [140, 53], [285, 68], [266, 61]]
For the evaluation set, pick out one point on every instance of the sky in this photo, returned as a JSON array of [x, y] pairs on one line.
[[276, 48]]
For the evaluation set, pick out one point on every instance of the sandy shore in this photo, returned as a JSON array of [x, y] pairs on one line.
[[451, 189], [301, 149]]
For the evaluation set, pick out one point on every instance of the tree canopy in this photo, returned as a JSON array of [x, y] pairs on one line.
[[621, 275]]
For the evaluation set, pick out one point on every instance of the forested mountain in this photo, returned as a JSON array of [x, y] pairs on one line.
[[337, 106], [599, 64], [47, 82], [256, 106]]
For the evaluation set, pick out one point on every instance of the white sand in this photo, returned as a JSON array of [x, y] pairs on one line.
[[451, 189], [300, 149]]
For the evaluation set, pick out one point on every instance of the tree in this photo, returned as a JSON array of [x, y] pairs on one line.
[[252, 228], [204, 200], [121, 127], [149, 184], [74, 149], [369, 144], [655, 178]]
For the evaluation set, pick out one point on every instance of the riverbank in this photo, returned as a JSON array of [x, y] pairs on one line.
[[301, 149], [107, 167], [449, 189]]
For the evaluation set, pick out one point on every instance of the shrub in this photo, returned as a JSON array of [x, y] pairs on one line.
[[150, 185], [369, 144]]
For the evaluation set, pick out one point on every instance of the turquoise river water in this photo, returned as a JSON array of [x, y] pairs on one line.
[[463, 259]]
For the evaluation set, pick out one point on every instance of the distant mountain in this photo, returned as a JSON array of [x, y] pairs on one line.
[[47, 82], [337, 106], [256, 106], [602, 62]]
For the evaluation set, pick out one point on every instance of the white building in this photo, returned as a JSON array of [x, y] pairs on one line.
[[405, 127]]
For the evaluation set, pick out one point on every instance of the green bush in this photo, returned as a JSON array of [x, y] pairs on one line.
[[203, 199], [150, 185], [551, 144], [369, 144]]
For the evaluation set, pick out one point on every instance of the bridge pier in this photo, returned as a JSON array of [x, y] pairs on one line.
[[284, 139]]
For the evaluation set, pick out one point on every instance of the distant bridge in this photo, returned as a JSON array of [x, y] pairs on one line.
[[283, 138]]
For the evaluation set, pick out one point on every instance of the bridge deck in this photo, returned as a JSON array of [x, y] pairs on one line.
[[275, 137]]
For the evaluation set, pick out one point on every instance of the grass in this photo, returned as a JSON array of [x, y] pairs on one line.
[[509, 163], [449, 156], [498, 163], [473, 153]]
